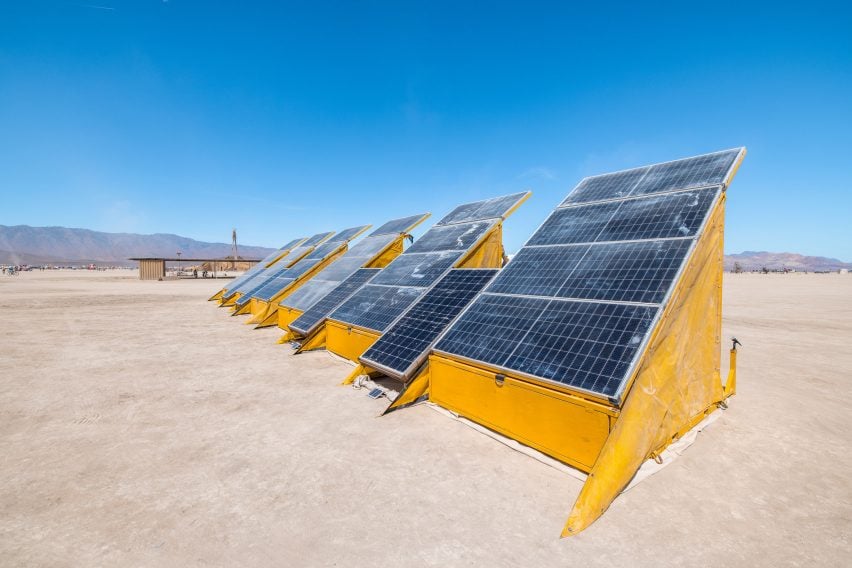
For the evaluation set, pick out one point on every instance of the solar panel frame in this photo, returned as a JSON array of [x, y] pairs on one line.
[[401, 225], [493, 208], [432, 311], [458, 236], [404, 269]]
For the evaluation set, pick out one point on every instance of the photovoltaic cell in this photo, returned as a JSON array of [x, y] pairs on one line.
[[575, 224], [320, 310], [325, 249], [375, 307], [419, 269], [607, 186], [397, 226], [485, 209], [348, 234], [309, 294], [451, 237], [626, 272], [405, 345], [709, 169], [584, 345], [658, 216], [316, 239], [538, 271], [699, 171], [371, 245], [492, 327]]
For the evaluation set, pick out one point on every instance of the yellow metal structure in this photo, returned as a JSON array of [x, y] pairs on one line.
[[676, 384]]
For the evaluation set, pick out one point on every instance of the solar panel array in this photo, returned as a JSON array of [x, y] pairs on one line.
[[389, 294], [405, 345], [283, 277], [234, 284], [577, 304], [306, 323], [359, 255], [258, 279]]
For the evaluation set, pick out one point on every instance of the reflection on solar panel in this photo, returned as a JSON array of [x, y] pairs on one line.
[[375, 307], [262, 265], [575, 306], [257, 280], [700, 171], [486, 209], [356, 257], [418, 268], [405, 345], [316, 314]]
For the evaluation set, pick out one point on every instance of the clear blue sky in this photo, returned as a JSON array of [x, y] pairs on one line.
[[283, 119]]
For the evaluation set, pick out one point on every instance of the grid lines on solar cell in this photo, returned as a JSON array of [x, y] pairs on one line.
[[417, 269], [659, 216], [485, 209], [580, 224], [397, 226], [640, 271], [538, 271], [375, 307], [371, 245], [585, 345], [272, 287], [316, 239], [606, 186], [317, 313], [407, 341], [459, 236], [307, 295], [709, 169], [492, 327]]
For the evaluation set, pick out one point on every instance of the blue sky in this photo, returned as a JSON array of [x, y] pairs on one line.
[[283, 119]]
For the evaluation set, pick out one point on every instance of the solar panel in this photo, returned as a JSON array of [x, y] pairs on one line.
[[417, 269], [451, 237], [698, 171], [371, 245], [485, 209], [405, 345], [317, 239], [309, 294], [237, 284], [397, 226], [578, 301], [349, 234], [376, 307], [320, 309]]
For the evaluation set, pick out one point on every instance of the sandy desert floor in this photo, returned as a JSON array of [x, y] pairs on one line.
[[142, 426]]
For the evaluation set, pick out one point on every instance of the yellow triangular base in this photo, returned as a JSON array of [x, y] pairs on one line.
[[677, 382]]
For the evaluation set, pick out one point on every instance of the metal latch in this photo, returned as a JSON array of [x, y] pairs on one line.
[[499, 379]]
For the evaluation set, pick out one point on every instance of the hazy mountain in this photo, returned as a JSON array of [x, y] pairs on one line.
[[23, 244], [756, 260]]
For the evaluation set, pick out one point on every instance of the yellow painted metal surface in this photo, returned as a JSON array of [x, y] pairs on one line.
[[488, 253], [567, 427], [286, 316], [416, 388], [315, 341], [677, 382], [231, 300], [217, 296], [388, 255], [348, 341]]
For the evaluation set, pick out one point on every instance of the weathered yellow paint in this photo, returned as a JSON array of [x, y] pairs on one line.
[[231, 300], [315, 341], [348, 341], [286, 316], [287, 338], [413, 390], [388, 254], [488, 253], [677, 382], [244, 309], [217, 296], [568, 427], [356, 372]]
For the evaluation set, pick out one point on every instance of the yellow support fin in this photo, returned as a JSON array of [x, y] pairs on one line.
[[416, 390], [677, 382]]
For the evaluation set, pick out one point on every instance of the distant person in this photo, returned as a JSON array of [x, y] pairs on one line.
[[195, 273]]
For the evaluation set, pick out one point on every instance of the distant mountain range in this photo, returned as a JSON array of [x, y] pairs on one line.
[[757, 260], [22, 244]]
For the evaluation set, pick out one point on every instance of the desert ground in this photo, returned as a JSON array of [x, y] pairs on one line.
[[140, 425]]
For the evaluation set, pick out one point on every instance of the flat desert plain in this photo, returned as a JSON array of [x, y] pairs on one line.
[[140, 425]]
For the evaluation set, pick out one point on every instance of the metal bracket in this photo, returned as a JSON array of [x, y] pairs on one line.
[[499, 380]]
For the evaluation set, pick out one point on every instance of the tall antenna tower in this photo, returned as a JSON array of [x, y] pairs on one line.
[[234, 248]]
